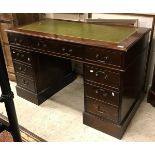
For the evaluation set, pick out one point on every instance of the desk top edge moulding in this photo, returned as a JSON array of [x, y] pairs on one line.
[[114, 67]]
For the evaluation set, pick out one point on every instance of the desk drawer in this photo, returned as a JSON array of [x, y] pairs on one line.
[[102, 76], [43, 44], [70, 50], [21, 55], [104, 56], [19, 39], [101, 109], [102, 94], [25, 83], [23, 69]]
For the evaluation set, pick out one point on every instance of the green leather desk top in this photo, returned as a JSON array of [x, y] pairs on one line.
[[106, 33]]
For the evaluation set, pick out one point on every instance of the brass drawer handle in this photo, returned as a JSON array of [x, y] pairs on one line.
[[100, 111], [70, 50], [18, 54], [63, 49], [44, 45], [25, 82], [104, 93], [22, 55], [101, 72], [22, 69], [67, 53], [96, 91], [20, 41], [97, 56], [104, 59]]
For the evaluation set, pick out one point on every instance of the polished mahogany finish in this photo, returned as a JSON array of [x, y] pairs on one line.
[[114, 74], [102, 76]]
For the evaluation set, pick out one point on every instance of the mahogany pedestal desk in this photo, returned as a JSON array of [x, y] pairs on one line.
[[114, 62]]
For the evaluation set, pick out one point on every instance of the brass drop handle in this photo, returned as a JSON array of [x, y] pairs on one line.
[[22, 55], [70, 51], [20, 40], [103, 92], [44, 45], [106, 77], [25, 69], [18, 54], [105, 58], [101, 72], [20, 68], [96, 91], [67, 52], [15, 39], [25, 82], [97, 56], [38, 44], [101, 111], [63, 49]]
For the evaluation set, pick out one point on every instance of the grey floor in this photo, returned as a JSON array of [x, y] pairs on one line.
[[60, 118]]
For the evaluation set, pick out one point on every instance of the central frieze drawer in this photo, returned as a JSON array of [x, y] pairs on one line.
[[102, 76], [23, 69], [25, 83], [102, 94], [104, 56], [70, 50], [43, 44], [101, 109], [21, 55]]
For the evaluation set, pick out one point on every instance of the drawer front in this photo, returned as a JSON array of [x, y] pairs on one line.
[[18, 39], [104, 56], [34, 42], [102, 94], [21, 55], [23, 69], [25, 83], [101, 109], [70, 50], [102, 76], [43, 44]]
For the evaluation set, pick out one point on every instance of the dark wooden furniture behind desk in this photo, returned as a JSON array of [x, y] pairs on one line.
[[9, 20], [114, 76]]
